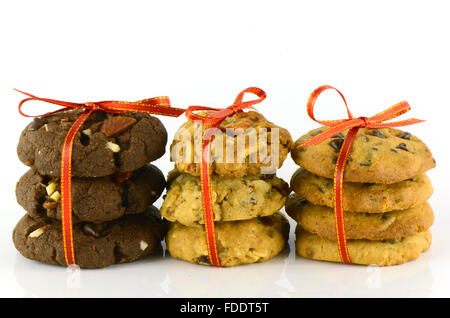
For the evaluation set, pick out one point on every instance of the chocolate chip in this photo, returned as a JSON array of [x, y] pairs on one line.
[[338, 136], [204, 259], [410, 179], [252, 200], [402, 146], [336, 144], [374, 149], [366, 139], [365, 164], [376, 133], [317, 132], [393, 150], [405, 135], [36, 124]]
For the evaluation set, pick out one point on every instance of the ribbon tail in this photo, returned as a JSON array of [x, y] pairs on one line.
[[66, 187], [338, 195], [208, 212]]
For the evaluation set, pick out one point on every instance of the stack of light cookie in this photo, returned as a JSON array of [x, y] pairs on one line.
[[387, 215], [246, 197], [113, 188]]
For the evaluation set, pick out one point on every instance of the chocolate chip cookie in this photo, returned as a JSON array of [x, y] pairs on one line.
[[363, 197], [93, 199], [364, 252], [320, 220], [104, 145], [232, 198], [245, 143], [377, 156], [96, 245], [238, 242]]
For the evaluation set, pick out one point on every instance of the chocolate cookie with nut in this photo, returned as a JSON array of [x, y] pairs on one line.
[[96, 245], [93, 199], [104, 145]]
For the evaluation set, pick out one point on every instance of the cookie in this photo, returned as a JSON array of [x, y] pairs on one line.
[[232, 198], [96, 245], [243, 145], [377, 156], [319, 220], [364, 252], [363, 197], [93, 199], [104, 145], [238, 242]]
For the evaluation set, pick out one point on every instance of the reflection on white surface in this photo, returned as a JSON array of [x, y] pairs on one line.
[[287, 275]]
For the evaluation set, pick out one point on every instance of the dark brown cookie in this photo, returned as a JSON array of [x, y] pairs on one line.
[[93, 199], [96, 245], [104, 145]]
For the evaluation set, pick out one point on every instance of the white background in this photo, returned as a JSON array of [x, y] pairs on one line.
[[204, 53]]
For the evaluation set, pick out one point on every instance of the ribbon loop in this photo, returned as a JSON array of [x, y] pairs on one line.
[[214, 116], [352, 125]]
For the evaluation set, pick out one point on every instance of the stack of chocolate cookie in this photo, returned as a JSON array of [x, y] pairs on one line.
[[387, 215], [113, 188], [246, 197]]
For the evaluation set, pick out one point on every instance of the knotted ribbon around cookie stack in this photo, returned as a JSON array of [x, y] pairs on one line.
[[361, 165], [90, 169], [223, 209]]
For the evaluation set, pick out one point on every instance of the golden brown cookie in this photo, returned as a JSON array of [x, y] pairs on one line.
[[319, 220], [378, 156], [363, 197], [364, 252], [238, 242], [232, 198], [265, 146]]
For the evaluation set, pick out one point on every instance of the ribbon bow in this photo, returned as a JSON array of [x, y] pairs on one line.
[[212, 118], [353, 124], [157, 105]]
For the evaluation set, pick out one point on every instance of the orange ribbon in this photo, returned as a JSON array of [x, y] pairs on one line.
[[353, 124], [212, 118], [157, 105]]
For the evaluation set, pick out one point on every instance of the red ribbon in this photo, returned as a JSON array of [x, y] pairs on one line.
[[157, 105], [212, 118], [353, 124]]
